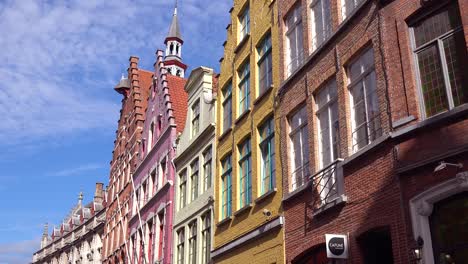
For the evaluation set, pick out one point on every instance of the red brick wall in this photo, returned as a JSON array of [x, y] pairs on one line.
[[377, 194], [128, 136]]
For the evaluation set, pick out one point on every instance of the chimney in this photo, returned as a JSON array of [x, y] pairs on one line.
[[99, 193]]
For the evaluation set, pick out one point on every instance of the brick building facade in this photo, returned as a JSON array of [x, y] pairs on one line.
[[367, 112], [135, 90]]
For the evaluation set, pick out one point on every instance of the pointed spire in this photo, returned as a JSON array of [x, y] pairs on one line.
[[174, 31], [45, 233]]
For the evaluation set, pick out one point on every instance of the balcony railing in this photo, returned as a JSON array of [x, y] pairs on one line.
[[328, 185]]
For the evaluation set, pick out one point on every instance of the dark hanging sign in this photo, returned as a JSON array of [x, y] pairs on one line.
[[337, 246]]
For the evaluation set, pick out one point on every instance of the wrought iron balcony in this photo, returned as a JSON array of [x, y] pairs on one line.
[[328, 186]]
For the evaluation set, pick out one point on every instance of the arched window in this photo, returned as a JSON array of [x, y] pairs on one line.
[[177, 49], [171, 49], [449, 221]]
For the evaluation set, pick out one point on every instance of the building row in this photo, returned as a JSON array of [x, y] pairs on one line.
[[335, 132]]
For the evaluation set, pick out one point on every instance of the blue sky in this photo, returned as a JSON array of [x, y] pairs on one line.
[[59, 63]]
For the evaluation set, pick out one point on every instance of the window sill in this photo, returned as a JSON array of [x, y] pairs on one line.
[[341, 200], [224, 134], [242, 42], [265, 195], [263, 95], [243, 209], [448, 117], [363, 151], [289, 196], [242, 116], [224, 221]]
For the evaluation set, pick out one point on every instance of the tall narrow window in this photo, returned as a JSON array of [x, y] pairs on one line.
[[294, 46], [226, 190], [245, 173], [193, 243], [244, 23], [180, 246], [154, 183], [161, 235], [227, 107], [321, 22], [206, 238], [150, 137], [244, 88], [267, 149], [348, 6], [366, 114], [207, 169], [182, 189], [194, 180], [440, 49], [195, 118], [328, 127], [162, 172], [299, 136], [265, 65], [150, 241]]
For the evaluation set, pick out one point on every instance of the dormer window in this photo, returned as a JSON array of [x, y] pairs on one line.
[[195, 118]]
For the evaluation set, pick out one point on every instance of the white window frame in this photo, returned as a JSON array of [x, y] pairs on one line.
[[293, 31], [244, 23], [304, 167], [325, 22]]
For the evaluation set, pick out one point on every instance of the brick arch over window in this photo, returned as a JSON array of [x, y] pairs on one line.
[[314, 255]]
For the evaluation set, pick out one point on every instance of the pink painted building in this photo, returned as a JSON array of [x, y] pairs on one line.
[[150, 226]]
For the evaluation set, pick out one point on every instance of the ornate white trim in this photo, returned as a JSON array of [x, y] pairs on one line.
[[421, 207]]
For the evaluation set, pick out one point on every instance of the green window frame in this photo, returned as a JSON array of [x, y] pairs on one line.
[[226, 190], [245, 173], [267, 150], [244, 88], [265, 67]]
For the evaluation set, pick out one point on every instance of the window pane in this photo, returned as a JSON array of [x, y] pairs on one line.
[[436, 25], [456, 54], [432, 81]]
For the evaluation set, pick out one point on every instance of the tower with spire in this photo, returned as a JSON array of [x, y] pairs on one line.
[[174, 42]]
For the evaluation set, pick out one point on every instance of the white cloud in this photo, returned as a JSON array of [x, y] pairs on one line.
[[77, 170], [18, 252], [60, 59]]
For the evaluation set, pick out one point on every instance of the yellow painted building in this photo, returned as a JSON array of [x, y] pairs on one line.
[[248, 185]]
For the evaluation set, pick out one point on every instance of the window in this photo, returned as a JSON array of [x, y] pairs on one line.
[[193, 243], [182, 189], [226, 191], [206, 238], [162, 170], [440, 51], [348, 6], [227, 107], [150, 137], [267, 149], [244, 23], [195, 118], [194, 180], [180, 246], [161, 235], [154, 183], [328, 127], [299, 147], [245, 173], [244, 88], [321, 22], [207, 170], [365, 113], [265, 65], [294, 49]]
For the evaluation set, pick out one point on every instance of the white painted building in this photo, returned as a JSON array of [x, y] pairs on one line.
[[78, 240], [193, 218]]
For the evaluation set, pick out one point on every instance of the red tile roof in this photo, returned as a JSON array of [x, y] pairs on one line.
[[179, 99]]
